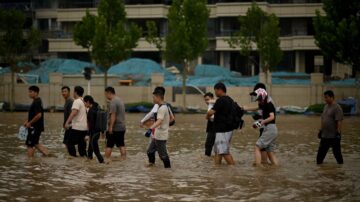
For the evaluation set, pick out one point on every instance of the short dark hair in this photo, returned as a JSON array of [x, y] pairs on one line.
[[259, 85], [65, 87], [110, 89], [34, 88], [208, 94], [159, 91], [329, 93], [220, 86], [79, 90], [90, 99]]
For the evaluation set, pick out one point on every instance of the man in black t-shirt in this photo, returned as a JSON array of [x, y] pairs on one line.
[[223, 128], [35, 123], [268, 137]]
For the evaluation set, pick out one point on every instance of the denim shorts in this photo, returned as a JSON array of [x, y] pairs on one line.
[[222, 142]]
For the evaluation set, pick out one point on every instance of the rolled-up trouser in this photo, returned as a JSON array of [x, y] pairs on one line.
[[160, 147], [94, 147], [209, 144]]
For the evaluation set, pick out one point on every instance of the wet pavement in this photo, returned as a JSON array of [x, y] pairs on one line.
[[193, 177]]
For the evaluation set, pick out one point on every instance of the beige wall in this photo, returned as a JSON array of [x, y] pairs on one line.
[[298, 95]]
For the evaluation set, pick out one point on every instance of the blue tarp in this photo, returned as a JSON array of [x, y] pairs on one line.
[[346, 82], [138, 70], [213, 71], [351, 103], [65, 66], [4, 70]]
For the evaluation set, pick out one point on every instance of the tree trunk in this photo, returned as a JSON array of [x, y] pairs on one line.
[[12, 90], [184, 75], [356, 68]]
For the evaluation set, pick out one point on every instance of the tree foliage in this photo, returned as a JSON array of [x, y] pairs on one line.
[[261, 29], [187, 37], [109, 35], [337, 33], [16, 43]]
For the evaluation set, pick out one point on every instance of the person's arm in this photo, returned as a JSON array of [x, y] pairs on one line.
[[73, 113], [146, 117], [269, 119], [210, 113], [157, 123], [338, 126], [111, 122], [37, 117], [252, 108]]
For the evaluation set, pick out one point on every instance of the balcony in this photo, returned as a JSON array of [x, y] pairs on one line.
[[286, 43], [68, 45]]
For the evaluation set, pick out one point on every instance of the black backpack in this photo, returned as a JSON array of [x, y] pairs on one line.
[[101, 120], [236, 116]]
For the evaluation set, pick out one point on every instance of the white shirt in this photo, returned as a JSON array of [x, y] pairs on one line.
[[79, 121], [162, 132]]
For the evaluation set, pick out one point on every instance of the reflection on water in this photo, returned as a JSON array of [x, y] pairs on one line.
[[192, 178]]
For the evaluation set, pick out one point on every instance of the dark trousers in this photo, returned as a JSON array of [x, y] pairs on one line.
[[77, 137], [209, 143], [160, 147], [94, 147], [324, 146]]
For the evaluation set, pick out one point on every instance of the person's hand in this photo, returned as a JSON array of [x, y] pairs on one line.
[[87, 138], [110, 131], [27, 125], [102, 135], [148, 133], [67, 126], [338, 135], [319, 134]]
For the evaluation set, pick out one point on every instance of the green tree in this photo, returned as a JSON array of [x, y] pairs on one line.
[[337, 33], [187, 37], [16, 44], [84, 31], [109, 35], [261, 29]]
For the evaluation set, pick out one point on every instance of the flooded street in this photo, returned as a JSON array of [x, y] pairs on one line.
[[193, 177]]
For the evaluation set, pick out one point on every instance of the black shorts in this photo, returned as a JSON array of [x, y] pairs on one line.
[[33, 137], [117, 138], [76, 137]]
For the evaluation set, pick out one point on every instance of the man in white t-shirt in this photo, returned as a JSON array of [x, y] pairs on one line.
[[161, 126], [79, 127]]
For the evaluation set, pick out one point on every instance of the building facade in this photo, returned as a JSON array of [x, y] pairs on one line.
[[56, 19]]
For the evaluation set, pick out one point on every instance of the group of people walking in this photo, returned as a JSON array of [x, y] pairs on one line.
[[84, 121]]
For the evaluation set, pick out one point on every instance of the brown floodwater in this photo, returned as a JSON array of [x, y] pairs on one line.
[[193, 177]]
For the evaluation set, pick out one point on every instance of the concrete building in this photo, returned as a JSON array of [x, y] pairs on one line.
[[56, 20]]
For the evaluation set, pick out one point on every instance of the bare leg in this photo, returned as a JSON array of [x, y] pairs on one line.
[[30, 152], [274, 161], [258, 156], [123, 153], [264, 157], [42, 149], [107, 154], [217, 159], [229, 159]]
